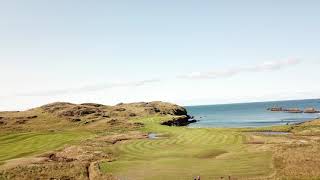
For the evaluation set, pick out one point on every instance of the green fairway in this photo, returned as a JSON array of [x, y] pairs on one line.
[[23, 144], [185, 152]]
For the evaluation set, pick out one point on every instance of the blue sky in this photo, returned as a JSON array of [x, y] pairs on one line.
[[186, 52]]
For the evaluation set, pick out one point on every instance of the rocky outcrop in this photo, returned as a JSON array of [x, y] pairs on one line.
[[179, 121], [155, 107], [16, 120], [275, 109], [293, 110], [90, 111], [311, 110], [72, 110]]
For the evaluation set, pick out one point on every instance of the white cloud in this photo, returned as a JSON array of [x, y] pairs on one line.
[[266, 66], [90, 88]]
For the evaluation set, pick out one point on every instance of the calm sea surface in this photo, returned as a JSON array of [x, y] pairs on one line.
[[251, 114]]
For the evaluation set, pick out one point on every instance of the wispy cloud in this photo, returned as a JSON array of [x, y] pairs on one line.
[[266, 66], [90, 88]]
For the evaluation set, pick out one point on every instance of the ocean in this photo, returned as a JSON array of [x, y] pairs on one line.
[[251, 114]]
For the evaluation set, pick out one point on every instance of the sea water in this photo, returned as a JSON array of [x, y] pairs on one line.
[[251, 114]]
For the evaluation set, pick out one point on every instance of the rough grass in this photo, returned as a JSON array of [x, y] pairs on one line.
[[282, 128], [24, 144], [298, 161], [186, 152]]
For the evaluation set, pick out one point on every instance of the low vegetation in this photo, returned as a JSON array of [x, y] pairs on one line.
[[93, 141]]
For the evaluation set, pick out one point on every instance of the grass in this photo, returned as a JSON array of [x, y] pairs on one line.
[[187, 152], [25, 144], [282, 128], [179, 152]]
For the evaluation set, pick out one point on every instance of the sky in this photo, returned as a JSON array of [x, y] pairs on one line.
[[181, 51]]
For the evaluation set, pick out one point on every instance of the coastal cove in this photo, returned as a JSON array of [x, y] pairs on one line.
[[251, 114]]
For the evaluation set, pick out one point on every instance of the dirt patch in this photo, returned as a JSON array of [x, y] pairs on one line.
[[113, 139], [211, 154]]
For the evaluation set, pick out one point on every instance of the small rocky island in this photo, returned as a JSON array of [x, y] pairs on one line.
[[293, 110]]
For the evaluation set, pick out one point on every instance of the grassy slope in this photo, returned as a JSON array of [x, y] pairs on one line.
[[186, 153], [39, 135], [24, 144]]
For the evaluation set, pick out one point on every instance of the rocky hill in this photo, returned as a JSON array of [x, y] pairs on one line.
[[62, 115], [66, 141]]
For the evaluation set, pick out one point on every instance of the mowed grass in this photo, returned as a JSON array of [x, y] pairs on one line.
[[24, 144], [183, 153]]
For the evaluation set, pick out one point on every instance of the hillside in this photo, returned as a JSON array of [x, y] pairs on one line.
[[33, 137], [62, 116]]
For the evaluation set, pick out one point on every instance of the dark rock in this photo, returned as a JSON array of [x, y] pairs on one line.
[[31, 117], [120, 109], [86, 112], [132, 115], [75, 120], [179, 121], [92, 104], [139, 124], [78, 111], [21, 121], [276, 109], [113, 122]]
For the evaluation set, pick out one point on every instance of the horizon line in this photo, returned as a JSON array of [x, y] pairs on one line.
[[249, 102]]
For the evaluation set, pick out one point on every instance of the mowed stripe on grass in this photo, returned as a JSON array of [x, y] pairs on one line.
[[187, 152], [24, 144]]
